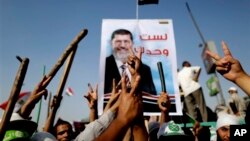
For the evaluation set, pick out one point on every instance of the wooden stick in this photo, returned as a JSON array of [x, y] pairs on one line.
[[65, 55], [15, 91], [49, 123], [49, 104]]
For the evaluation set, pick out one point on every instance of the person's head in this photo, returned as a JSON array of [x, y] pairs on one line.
[[19, 129], [79, 126], [221, 108], [42, 136], [232, 90], [63, 130], [121, 41], [173, 131], [186, 64], [223, 126]]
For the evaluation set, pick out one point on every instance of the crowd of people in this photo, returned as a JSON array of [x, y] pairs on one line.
[[123, 117]]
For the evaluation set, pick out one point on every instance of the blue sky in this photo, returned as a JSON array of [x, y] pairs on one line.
[[41, 30]]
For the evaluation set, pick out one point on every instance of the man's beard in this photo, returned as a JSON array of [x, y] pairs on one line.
[[121, 56]]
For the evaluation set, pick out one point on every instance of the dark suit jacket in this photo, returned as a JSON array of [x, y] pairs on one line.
[[111, 71]]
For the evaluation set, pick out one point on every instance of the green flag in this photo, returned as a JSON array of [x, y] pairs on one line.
[[213, 86]]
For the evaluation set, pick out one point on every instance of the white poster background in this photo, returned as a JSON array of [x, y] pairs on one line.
[[156, 36]]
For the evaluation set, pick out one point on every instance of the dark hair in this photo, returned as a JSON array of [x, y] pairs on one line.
[[204, 134], [184, 63], [121, 32], [61, 122], [218, 137]]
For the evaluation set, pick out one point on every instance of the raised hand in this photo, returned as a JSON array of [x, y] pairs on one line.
[[92, 96], [39, 91], [113, 103], [36, 95], [55, 103], [134, 63], [231, 69], [92, 102], [164, 98], [197, 128], [130, 102], [227, 66]]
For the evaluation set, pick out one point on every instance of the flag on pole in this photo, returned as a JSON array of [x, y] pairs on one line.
[[69, 91], [213, 86], [22, 98], [143, 2]]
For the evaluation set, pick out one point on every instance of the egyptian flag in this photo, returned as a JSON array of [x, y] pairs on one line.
[[143, 2], [22, 98], [69, 91]]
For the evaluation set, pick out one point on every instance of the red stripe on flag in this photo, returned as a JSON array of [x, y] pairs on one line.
[[69, 91], [5, 103]]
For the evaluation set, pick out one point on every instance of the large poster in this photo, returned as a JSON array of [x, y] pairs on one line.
[[156, 38]]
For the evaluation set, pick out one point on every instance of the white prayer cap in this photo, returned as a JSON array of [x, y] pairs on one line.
[[16, 116], [232, 89], [19, 128], [226, 120]]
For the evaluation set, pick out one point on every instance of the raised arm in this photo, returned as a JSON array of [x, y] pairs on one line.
[[134, 64], [164, 98], [231, 69], [49, 122], [139, 131], [113, 103], [129, 109], [92, 102], [34, 98]]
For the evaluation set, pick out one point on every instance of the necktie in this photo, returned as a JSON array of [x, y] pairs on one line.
[[124, 73]]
